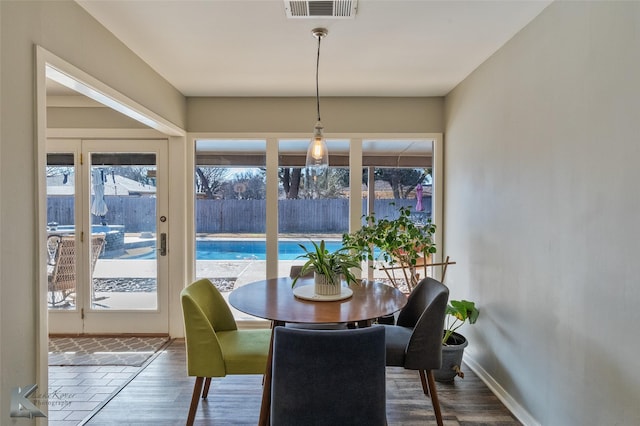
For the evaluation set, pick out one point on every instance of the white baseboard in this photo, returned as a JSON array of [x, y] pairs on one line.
[[512, 405]]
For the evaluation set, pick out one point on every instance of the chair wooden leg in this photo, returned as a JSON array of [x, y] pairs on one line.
[[434, 397], [195, 398], [207, 383], [423, 379]]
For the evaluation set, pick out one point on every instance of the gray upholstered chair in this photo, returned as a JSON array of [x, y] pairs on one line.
[[415, 342], [328, 377], [295, 270]]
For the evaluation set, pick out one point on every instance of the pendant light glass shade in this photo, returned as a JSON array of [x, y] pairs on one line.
[[317, 153]]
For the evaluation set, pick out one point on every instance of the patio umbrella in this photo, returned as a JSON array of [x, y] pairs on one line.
[[98, 206], [419, 207]]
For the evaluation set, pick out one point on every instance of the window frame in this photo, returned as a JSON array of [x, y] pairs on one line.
[[355, 160]]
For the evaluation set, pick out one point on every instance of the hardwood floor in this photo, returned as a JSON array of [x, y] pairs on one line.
[[161, 393]]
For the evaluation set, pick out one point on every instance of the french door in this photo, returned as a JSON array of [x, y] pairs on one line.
[[107, 236]]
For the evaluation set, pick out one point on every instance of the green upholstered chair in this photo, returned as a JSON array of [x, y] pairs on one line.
[[215, 346]]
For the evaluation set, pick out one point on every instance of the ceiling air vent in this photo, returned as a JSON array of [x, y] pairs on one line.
[[320, 8]]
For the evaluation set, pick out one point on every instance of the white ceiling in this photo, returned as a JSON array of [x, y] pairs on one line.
[[250, 47]]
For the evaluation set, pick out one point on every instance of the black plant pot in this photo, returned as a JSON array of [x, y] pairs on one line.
[[451, 359]]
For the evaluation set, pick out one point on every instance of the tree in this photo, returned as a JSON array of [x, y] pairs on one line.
[[341, 174], [249, 185], [290, 179], [64, 171], [329, 185], [58, 170], [209, 180], [137, 173], [402, 180]]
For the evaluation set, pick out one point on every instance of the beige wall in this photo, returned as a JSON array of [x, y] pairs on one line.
[[541, 194], [63, 28], [541, 172], [67, 31], [339, 115], [89, 118]]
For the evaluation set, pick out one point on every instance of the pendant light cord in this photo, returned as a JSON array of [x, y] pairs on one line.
[[317, 85]]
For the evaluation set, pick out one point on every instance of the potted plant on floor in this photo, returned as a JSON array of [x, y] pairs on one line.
[[453, 344], [328, 267], [399, 246]]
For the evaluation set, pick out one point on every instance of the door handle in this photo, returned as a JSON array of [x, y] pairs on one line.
[[163, 244]]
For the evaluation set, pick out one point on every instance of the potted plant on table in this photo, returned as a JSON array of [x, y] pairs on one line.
[[328, 267], [404, 246], [453, 344]]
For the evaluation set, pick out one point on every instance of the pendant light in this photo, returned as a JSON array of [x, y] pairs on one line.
[[317, 153]]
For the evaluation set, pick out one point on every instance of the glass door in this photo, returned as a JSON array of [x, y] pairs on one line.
[[62, 259], [107, 236]]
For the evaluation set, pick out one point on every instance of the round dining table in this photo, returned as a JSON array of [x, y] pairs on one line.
[[274, 299]]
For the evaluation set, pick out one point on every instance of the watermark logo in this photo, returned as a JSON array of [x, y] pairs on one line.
[[21, 406]]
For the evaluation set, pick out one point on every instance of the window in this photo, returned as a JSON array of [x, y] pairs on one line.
[[310, 208], [230, 211], [231, 192], [401, 173]]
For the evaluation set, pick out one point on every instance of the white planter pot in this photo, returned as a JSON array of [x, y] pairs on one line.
[[324, 287]]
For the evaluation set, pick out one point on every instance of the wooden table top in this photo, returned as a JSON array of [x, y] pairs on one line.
[[273, 299]]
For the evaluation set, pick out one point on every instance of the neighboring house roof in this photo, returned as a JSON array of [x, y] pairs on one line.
[[114, 185]]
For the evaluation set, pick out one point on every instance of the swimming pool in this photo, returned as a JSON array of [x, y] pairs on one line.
[[247, 249]]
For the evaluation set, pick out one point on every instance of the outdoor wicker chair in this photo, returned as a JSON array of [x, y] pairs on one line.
[[62, 265]]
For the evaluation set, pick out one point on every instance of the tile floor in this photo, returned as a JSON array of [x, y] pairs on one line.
[[76, 391], [84, 373]]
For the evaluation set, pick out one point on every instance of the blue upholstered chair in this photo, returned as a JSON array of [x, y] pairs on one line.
[[415, 342], [215, 346], [328, 377]]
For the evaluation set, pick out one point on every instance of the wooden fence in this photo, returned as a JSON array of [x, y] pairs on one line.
[[138, 214]]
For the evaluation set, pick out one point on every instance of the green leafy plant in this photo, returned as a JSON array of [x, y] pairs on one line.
[[458, 313], [332, 264], [400, 242]]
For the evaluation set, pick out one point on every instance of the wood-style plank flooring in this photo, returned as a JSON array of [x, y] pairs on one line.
[[160, 395]]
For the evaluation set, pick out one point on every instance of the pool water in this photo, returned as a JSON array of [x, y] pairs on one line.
[[242, 249], [247, 249]]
